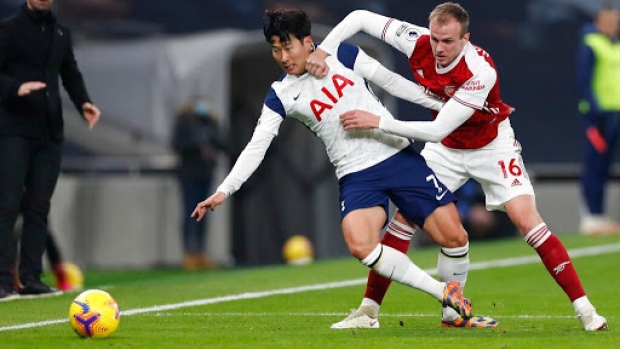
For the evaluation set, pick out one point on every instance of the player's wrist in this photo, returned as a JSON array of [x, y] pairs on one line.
[[382, 122]]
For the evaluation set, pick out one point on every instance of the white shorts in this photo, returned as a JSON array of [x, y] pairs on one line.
[[498, 167]]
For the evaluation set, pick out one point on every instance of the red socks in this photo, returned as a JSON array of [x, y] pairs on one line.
[[555, 258]]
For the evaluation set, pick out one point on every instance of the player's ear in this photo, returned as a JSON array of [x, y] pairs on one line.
[[308, 43], [466, 37]]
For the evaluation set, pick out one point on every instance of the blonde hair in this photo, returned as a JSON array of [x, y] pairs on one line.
[[443, 12]]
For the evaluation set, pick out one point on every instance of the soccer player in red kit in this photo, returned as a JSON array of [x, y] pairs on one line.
[[471, 137]]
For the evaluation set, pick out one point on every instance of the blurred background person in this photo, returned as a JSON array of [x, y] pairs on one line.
[[598, 81], [480, 223], [196, 140], [35, 51]]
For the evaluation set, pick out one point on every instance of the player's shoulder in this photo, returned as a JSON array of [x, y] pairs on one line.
[[477, 59], [283, 81], [282, 88]]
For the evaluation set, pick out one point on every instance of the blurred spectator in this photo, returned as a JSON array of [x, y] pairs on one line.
[[480, 223], [598, 82], [196, 141]]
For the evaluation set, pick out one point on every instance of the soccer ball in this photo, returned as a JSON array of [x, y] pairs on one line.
[[298, 250], [94, 314], [74, 275]]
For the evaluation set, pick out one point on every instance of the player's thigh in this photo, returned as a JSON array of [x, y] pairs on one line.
[[415, 189], [447, 164], [501, 174]]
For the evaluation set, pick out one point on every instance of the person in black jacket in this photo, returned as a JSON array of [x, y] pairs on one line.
[[196, 141], [35, 50]]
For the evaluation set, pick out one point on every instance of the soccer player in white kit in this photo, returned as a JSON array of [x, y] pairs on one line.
[[471, 137], [372, 166]]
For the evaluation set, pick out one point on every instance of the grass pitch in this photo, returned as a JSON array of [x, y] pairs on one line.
[[293, 307]]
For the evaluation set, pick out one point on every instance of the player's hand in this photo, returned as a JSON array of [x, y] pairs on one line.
[[28, 87], [359, 120], [315, 63], [210, 203], [91, 114]]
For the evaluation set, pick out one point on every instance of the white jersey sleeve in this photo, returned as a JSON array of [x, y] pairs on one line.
[[474, 92], [400, 35], [395, 84], [253, 153], [451, 116]]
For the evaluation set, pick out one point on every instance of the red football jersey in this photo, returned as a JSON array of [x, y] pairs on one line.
[[481, 128]]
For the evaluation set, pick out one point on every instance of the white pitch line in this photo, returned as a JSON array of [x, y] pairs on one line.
[[499, 263], [434, 314]]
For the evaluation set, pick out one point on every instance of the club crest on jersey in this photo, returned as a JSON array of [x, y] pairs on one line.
[[449, 90], [412, 34], [339, 82]]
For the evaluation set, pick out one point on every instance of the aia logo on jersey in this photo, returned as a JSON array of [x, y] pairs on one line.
[[318, 106], [449, 90]]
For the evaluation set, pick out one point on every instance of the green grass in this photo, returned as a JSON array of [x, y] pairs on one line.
[[532, 310]]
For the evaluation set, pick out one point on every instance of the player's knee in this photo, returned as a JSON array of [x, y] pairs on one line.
[[462, 239], [523, 213], [526, 220], [457, 238], [360, 250], [445, 227]]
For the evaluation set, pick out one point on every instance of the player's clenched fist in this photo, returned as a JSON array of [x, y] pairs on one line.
[[315, 63]]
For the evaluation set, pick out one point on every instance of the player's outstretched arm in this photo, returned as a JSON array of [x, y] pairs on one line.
[[211, 203], [356, 21], [395, 84], [449, 118]]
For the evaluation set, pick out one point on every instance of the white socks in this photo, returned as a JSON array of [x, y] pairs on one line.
[[453, 264], [394, 265]]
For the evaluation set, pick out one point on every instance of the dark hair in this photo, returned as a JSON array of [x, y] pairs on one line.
[[286, 22], [450, 9]]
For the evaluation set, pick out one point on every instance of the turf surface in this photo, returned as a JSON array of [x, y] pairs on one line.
[[293, 307]]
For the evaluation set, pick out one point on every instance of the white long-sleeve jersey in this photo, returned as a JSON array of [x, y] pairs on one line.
[[318, 104]]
